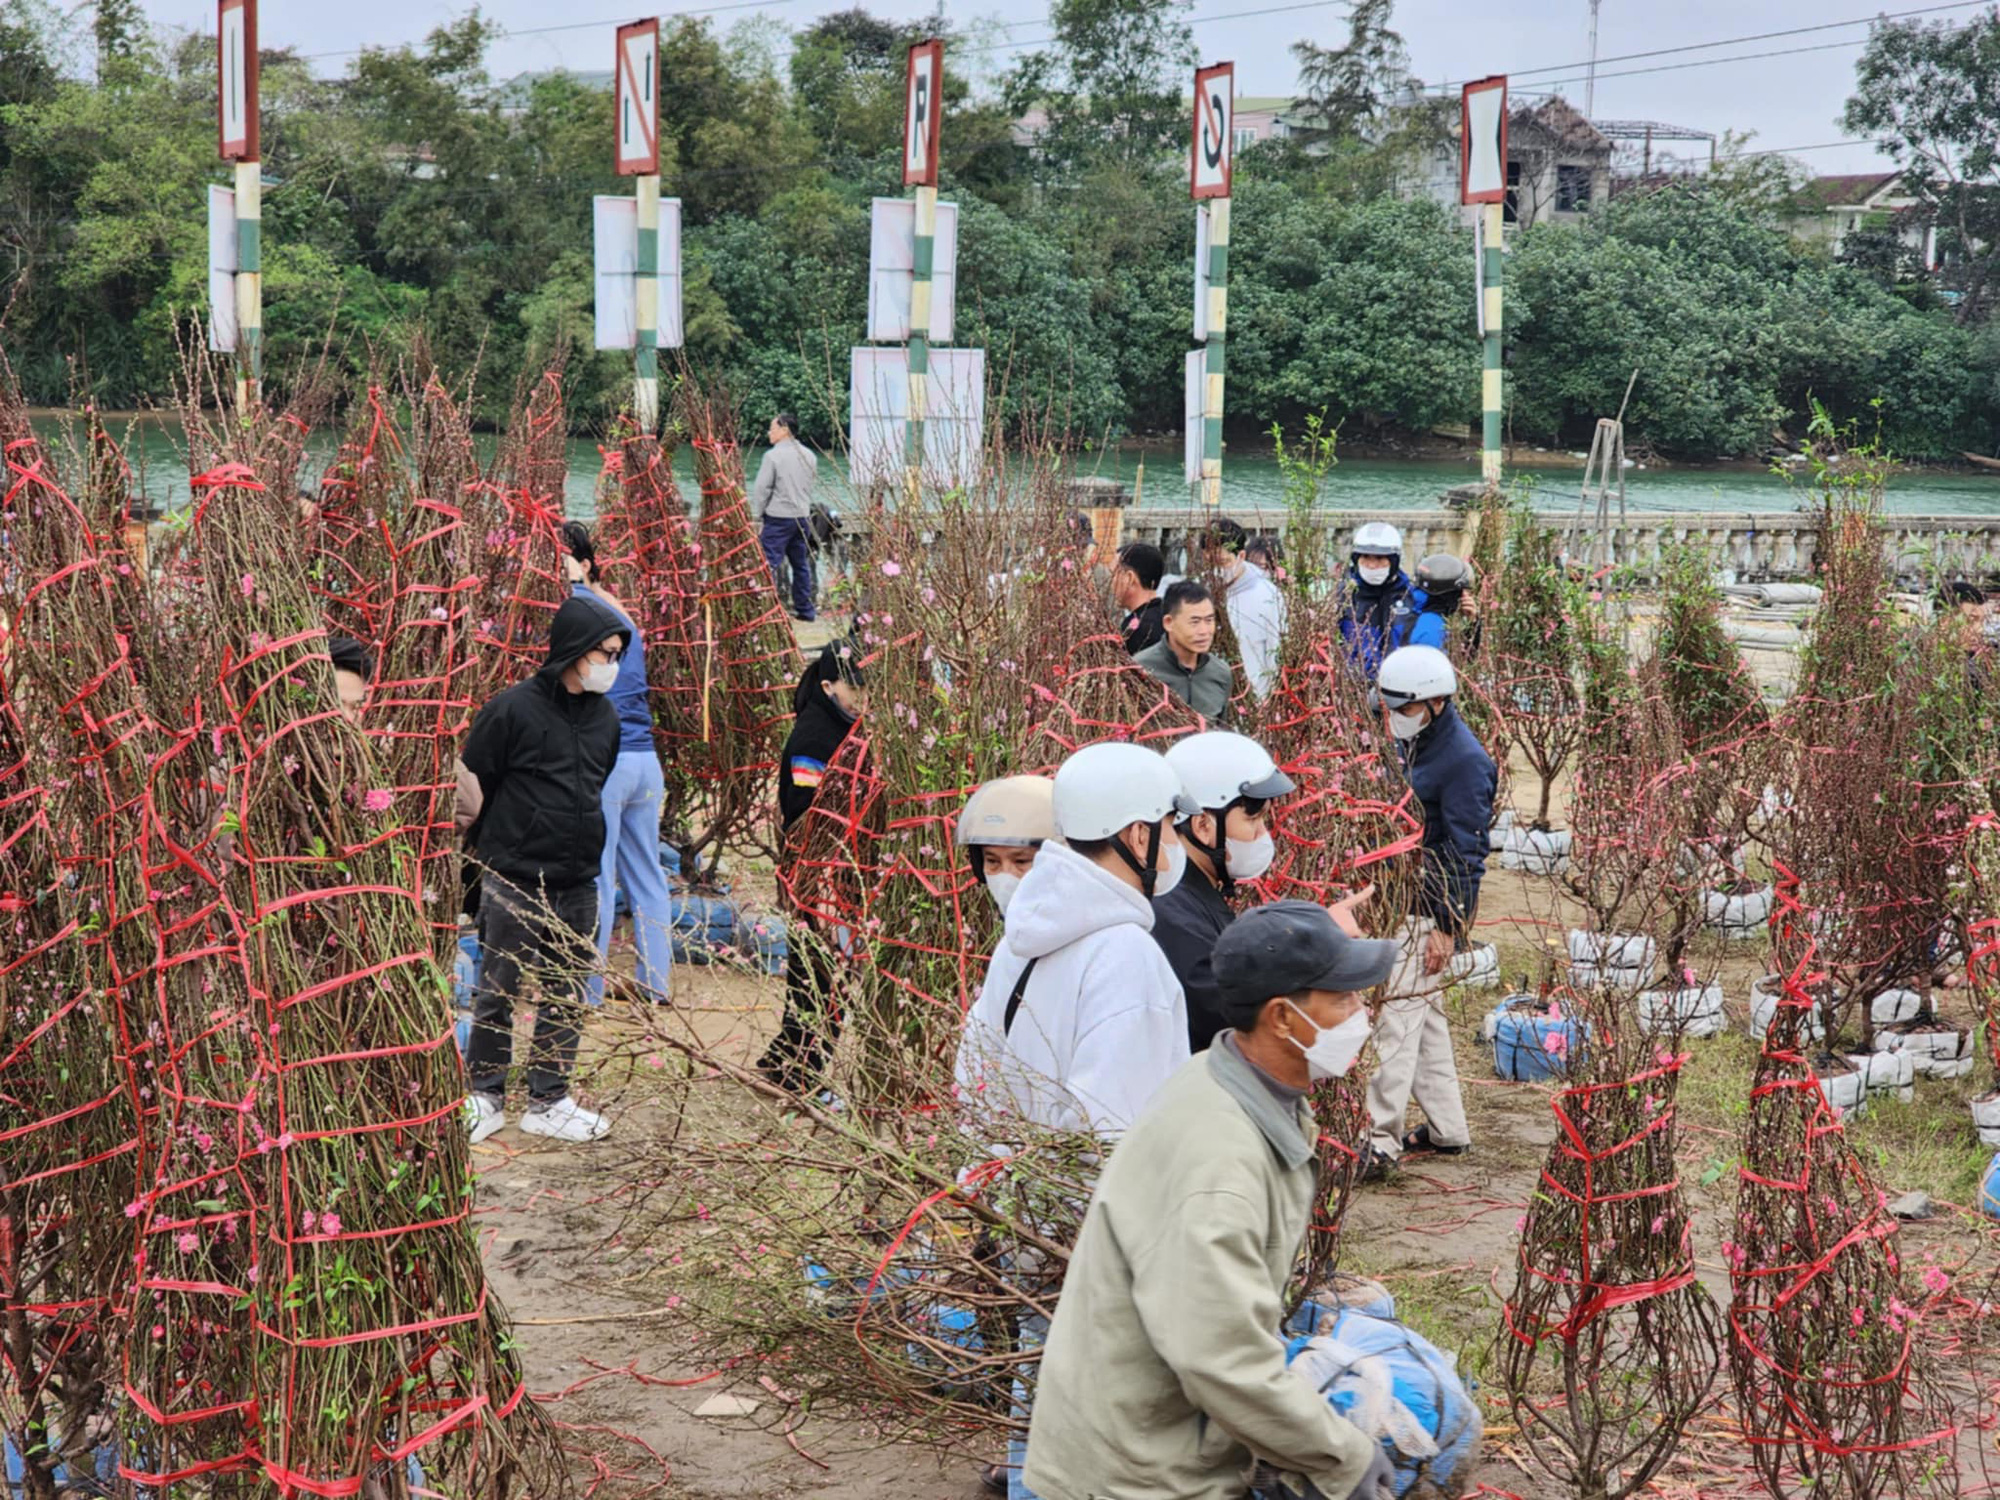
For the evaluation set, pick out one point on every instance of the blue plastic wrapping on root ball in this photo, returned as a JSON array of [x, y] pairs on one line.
[[1523, 1049], [1398, 1387], [1989, 1188], [104, 1469]]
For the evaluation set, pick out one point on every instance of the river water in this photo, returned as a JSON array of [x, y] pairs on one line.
[[1357, 484]]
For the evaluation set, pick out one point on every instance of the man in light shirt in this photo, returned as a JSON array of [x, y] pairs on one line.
[[781, 500]]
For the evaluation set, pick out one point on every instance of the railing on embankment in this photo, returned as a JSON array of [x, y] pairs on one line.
[[1755, 547]]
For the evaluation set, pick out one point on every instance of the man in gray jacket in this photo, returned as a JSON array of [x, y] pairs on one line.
[[1181, 661], [782, 500], [1164, 1375]]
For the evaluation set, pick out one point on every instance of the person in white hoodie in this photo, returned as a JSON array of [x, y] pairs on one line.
[[1256, 608], [1081, 1020]]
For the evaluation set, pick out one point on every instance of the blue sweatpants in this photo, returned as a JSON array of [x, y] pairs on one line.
[[632, 796]]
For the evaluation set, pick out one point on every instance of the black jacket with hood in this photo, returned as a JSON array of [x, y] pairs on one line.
[[542, 754], [817, 732]]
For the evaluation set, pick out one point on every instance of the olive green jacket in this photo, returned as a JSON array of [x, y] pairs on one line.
[[1164, 1374], [1206, 689]]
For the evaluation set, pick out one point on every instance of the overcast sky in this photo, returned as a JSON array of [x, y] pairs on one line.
[[1791, 99]]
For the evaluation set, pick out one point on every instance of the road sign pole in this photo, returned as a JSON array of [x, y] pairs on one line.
[[249, 285], [646, 388], [920, 342], [1490, 275], [1212, 367], [1210, 168]]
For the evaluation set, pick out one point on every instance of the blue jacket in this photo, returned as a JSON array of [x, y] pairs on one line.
[[1414, 625], [1364, 625], [628, 694], [1455, 780]]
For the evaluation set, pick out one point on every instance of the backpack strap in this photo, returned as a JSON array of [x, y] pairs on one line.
[[1014, 997]]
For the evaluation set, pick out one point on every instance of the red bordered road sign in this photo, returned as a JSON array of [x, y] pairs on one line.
[[236, 79], [1214, 132], [923, 114], [1482, 141], [638, 75]]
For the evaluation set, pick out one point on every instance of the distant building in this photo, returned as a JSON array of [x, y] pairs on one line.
[[1828, 209], [1558, 166]]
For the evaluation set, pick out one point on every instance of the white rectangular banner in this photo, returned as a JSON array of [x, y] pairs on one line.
[[879, 414], [670, 330], [222, 311], [892, 259], [615, 258], [221, 228], [1201, 270], [1197, 381]]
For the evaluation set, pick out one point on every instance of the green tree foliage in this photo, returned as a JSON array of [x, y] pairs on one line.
[[1928, 92], [417, 195], [1113, 87], [1734, 331]]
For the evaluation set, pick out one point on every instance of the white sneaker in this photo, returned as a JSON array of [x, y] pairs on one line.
[[483, 1116], [565, 1120]]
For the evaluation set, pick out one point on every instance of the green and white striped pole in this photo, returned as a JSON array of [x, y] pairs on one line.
[[1490, 278], [249, 284], [646, 387], [920, 340], [1213, 350]]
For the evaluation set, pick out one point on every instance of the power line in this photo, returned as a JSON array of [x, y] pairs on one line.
[[1762, 36]]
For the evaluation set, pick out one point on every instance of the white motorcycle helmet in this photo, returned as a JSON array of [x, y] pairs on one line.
[[1104, 788], [1376, 539], [1415, 674], [1220, 770]]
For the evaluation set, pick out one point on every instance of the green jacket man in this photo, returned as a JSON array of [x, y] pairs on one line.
[[1164, 1375]]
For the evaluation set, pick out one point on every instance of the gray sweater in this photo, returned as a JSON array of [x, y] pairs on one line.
[[1206, 689], [784, 487]]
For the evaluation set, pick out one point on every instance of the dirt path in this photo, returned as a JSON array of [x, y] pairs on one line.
[[1441, 1236]]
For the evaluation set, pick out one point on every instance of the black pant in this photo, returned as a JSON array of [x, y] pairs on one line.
[[554, 938], [798, 1053]]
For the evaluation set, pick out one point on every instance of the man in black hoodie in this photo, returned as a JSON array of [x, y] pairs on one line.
[[540, 753]]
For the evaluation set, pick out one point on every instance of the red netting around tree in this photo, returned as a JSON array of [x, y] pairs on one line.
[[266, 1248]]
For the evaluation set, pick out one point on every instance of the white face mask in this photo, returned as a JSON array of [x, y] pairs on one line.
[[1373, 576], [1001, 888], [1250, 858], [1408, 726], [1173, 865], [599, 676], [1334, 1048]]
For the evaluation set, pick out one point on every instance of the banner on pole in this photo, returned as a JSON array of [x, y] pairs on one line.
[[615, 260], [879, 414], [1482, 141], [892, 261], [1214, 131], [1201, 271], [1197, 383], [236, 78], [923, 114], [638, 75], [221, 269]]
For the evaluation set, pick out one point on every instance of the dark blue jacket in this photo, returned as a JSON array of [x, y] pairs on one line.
[[1454, 779], [1364, 624]]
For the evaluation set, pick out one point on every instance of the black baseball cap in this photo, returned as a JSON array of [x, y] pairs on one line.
[[1288, 946]]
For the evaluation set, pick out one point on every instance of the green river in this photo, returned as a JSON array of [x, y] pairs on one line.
[[1358, 484]]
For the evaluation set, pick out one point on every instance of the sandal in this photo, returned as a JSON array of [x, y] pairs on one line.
[[1375, 1166], [993, 1479], [1420, 1140]]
